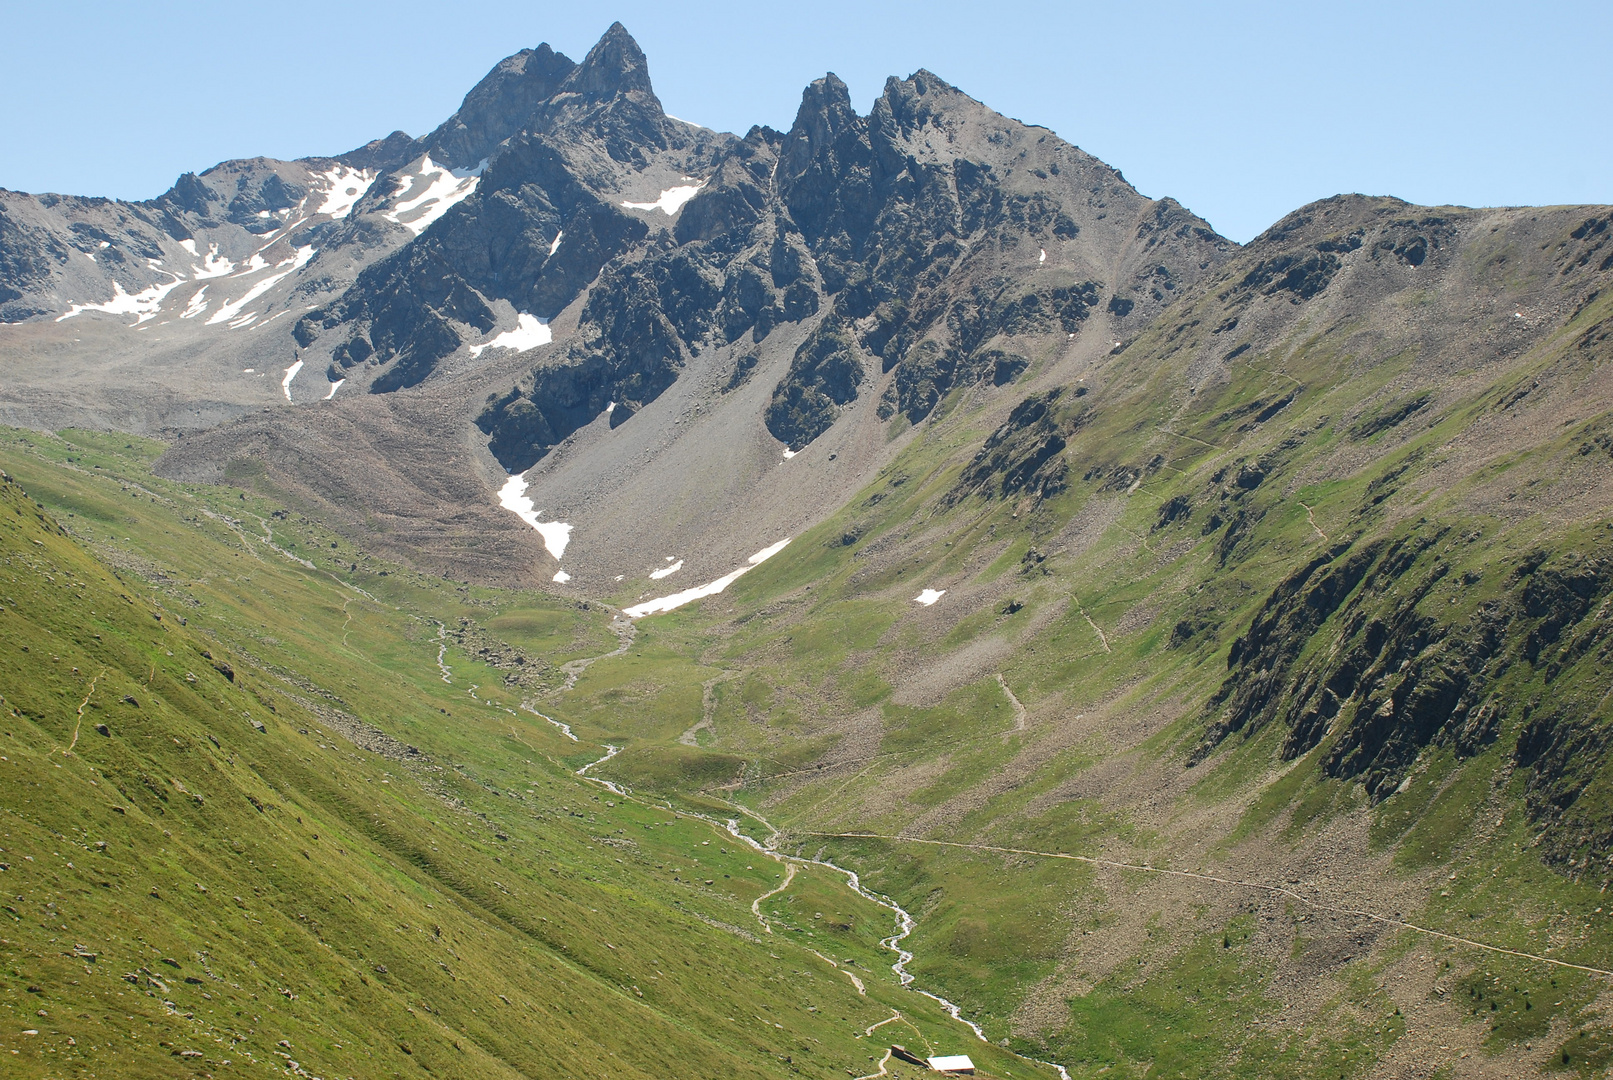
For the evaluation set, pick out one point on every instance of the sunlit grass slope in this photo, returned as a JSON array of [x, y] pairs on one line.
[[1432, 542], [251, 826]]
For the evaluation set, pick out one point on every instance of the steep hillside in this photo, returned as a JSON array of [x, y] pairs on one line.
[[268, 805], [1293, 607], [678, 575]]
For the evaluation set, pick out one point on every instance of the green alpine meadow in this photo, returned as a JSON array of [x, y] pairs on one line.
[[875, 599]]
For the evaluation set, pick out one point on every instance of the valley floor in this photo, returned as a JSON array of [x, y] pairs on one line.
[[276, 804]]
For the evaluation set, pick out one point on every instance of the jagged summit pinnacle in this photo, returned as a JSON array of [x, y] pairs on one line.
[[540, 87], [615, 65], [499, 105]]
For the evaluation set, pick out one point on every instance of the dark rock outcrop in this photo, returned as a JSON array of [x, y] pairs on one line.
[[538, 229], [1392, 678], [499, 106], [1025, 454]]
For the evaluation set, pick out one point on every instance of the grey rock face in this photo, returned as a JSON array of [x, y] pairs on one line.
[[907, 231], [542, 224], [498, 106]]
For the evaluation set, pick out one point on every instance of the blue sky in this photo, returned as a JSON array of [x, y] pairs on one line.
[[1242, 111]]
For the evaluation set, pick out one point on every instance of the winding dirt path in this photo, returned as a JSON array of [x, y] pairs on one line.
[[906, 924], [81, 707], [1019, 710], [1274, 890], [855, 981], [882, 1070], [1310, 516], [1096, 629]]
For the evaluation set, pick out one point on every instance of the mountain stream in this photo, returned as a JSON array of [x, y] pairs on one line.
[[905, 922]]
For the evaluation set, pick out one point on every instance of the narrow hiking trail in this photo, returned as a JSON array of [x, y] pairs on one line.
[[852, 975], [882, 1070], [81, 707], [1310, 516], [1019, 710], [1274, 890]]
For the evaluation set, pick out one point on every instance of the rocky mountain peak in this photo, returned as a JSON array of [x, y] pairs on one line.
[[500, 105], [913, 101], [615, 65], [824, 115], [381, 154]]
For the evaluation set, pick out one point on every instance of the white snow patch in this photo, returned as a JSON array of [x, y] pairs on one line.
[[247, 371], [561, 576], [1042, 258], [610, 408], [104, 244], [197, 305], [788, 453], [530, 332], [143, 305], [190, 246], [929, 596], [245, 320], [232, 310], [554, 247], [556, 534], [432, 191], [213, 264], [335, 386], [676, 600], [670, 202], [346, 187], [254, 264], [263, 214], [291, 373], [767, 552], [667, 571], [88, 256]]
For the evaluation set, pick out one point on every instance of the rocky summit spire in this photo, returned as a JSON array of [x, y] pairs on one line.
[[615, 65], [499, 105]]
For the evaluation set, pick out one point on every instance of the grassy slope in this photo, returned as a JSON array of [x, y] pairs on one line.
[[807, 651], [836, 705], [188, 894]]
